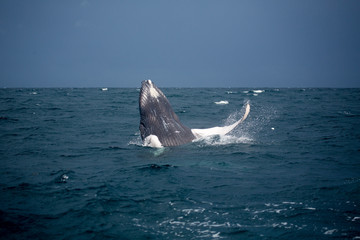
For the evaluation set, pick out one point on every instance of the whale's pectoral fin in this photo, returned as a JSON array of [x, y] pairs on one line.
[[199, 133]]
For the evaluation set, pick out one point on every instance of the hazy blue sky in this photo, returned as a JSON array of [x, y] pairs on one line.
[[180, 43]]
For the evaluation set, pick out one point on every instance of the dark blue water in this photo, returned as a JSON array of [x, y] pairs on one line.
[[73, 167]]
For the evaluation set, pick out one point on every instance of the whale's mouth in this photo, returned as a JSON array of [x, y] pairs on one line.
[[144, 92], [146, 83], [149, 92], [145, 86]]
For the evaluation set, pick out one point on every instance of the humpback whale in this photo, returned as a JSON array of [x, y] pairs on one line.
[[161, 127]]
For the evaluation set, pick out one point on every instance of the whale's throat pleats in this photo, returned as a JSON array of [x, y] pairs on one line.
[[157, 118]]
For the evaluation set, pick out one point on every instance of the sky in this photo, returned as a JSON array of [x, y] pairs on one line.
[[187, 43]]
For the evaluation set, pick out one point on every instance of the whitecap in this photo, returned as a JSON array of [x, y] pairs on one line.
[[310, 208], [64, 178], [172, 222], [258, 91], [222, 102], [330, 232], [190, 210], [216, 235]]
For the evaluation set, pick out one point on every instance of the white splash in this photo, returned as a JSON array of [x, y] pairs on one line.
[[152, 141], [222, 140]]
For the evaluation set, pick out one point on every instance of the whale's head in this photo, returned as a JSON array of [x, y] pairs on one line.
[[159, 119], [149, 93]]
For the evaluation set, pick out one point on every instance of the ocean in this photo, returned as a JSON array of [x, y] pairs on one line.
[[73, 166]]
